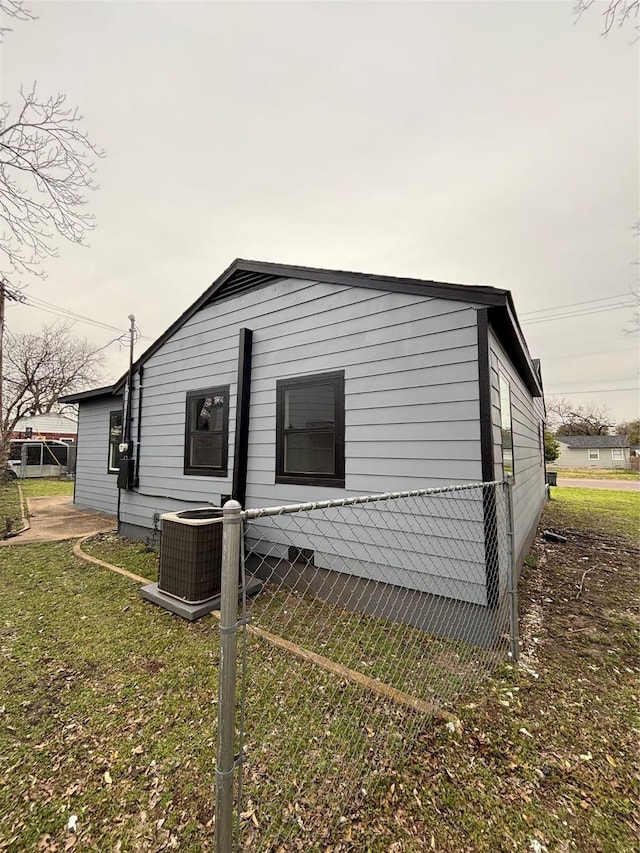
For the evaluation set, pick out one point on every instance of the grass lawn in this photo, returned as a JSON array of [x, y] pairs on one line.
[[141, 558], [611, 513], [108, 714], [9, 507], [42, 487], [595, 473]]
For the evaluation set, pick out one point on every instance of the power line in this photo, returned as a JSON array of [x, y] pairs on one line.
[[594, 391], [582, 353], [572, 314], [115, 340], [59, 310], [574, 304], [42, 304]]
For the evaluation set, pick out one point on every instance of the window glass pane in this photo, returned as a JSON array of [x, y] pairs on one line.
[[34, 454], [54, 454], [594, 454], [115, 438], [505, 418], [206, 431], [206, 450], [309, 453], [617, 454], [310, 407], [208, 413], [15, 451]]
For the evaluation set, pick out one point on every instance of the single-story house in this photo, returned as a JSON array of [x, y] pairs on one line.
[[51, 426], [284, 384], [593, 451]]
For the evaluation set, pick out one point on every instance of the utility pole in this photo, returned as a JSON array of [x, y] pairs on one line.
[[2, 297], [6, 294]]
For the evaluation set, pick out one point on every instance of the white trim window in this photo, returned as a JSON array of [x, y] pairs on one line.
[[593, 454], [617, 454]]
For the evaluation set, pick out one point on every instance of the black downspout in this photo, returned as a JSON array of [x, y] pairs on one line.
[[136, 479], [492, 565], [75, 472], [241, 445], [127, 422], [125, 474]]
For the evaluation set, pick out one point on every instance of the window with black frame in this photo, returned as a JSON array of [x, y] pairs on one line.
[[207, 432], [310, 430], [505, 422], [115, 439]]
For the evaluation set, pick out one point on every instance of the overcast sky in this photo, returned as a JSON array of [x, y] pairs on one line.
[[470, 142]]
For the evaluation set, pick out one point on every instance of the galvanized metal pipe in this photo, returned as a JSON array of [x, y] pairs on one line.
[[513, 571], [225, 766], [252, 514]]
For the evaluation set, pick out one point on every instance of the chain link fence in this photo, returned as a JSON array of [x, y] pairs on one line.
[[369, 616]]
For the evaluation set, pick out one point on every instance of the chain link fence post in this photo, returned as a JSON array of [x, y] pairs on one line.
[[226, 764], [514, 632]]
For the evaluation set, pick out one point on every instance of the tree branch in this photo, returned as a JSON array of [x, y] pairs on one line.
[[46, 167], [617, 12]]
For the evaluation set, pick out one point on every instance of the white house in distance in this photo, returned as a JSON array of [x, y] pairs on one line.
[[593, 451], [51, 426], [284, 384]]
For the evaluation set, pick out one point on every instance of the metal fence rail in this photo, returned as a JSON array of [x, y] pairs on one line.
[[373, 614]]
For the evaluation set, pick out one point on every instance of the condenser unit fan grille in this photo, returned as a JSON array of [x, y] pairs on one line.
[[191, 555]]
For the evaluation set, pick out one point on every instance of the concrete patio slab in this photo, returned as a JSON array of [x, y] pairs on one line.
[[55, 518]]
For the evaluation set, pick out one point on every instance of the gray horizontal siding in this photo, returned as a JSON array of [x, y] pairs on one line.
[[95, 487], [429, 544], [527, 413], [411, 400]]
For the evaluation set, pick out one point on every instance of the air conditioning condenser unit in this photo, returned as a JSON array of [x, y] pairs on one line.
[[191, 554]]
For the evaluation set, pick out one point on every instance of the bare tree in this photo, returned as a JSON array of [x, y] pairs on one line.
[[13, 9], [40, 368], [614, 12], [630, 429], [46, 169], [567, 419]]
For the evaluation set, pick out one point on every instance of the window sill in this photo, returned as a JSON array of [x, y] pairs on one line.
[[311, 481], [205, 472]]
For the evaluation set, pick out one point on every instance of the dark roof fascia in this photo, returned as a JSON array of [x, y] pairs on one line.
[[94, 393], [504, 322], [182, 319], [481, 294], [537, 366], [490, 296], [496, 299]]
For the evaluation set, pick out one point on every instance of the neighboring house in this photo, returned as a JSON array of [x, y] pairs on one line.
[[359, 384], [593, 451], [50, 426]]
